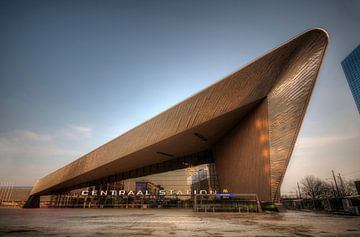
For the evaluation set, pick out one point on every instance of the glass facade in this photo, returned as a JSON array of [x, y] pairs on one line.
[[163, 190], [193, 187], [351, 67]]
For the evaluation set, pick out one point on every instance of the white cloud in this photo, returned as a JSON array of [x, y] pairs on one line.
[[34, 154], [24, 143], [311, 142], [319, 155], [75, 132]]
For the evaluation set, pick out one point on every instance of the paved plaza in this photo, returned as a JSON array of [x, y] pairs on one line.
[[171, 222]]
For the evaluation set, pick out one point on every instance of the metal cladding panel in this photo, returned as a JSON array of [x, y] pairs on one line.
[[136, 148], [288, 101], [242, 157], [181, 145]]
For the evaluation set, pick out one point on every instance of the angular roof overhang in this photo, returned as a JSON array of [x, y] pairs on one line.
[[194, 124]]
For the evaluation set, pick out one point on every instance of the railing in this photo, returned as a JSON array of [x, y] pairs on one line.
[[6, 189], [226, 203]]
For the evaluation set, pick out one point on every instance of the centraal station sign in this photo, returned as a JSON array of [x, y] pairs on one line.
[[142, 193]]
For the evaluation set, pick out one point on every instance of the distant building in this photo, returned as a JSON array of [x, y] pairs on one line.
[[351, 67], [13, 195]]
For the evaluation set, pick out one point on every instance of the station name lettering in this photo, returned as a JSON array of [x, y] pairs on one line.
[[140, 193]]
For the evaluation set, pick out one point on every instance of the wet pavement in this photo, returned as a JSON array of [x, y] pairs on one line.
[[171, 222]]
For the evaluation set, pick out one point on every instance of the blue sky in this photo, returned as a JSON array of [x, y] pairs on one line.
[[76, 74]]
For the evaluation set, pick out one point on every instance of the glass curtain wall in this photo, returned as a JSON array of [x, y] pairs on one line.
[[164, 190]]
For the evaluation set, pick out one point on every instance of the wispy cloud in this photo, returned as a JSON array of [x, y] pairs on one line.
[[76, 132], [318, 155], [25, 143], [320, 141], [36, 153]]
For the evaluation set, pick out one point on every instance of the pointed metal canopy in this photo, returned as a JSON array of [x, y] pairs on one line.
[[283, 77]]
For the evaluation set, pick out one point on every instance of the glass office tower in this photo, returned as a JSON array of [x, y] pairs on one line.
[[351, 67]]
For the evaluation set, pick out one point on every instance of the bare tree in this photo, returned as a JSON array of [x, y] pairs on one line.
[[315, 188], [349, 188]]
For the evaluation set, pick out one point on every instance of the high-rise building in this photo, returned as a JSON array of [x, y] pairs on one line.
[[351, 67]]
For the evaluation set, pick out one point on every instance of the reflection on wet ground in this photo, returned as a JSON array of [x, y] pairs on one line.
[[171, 222]]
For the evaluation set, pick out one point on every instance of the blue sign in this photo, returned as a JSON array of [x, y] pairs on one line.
[[225, 195]]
